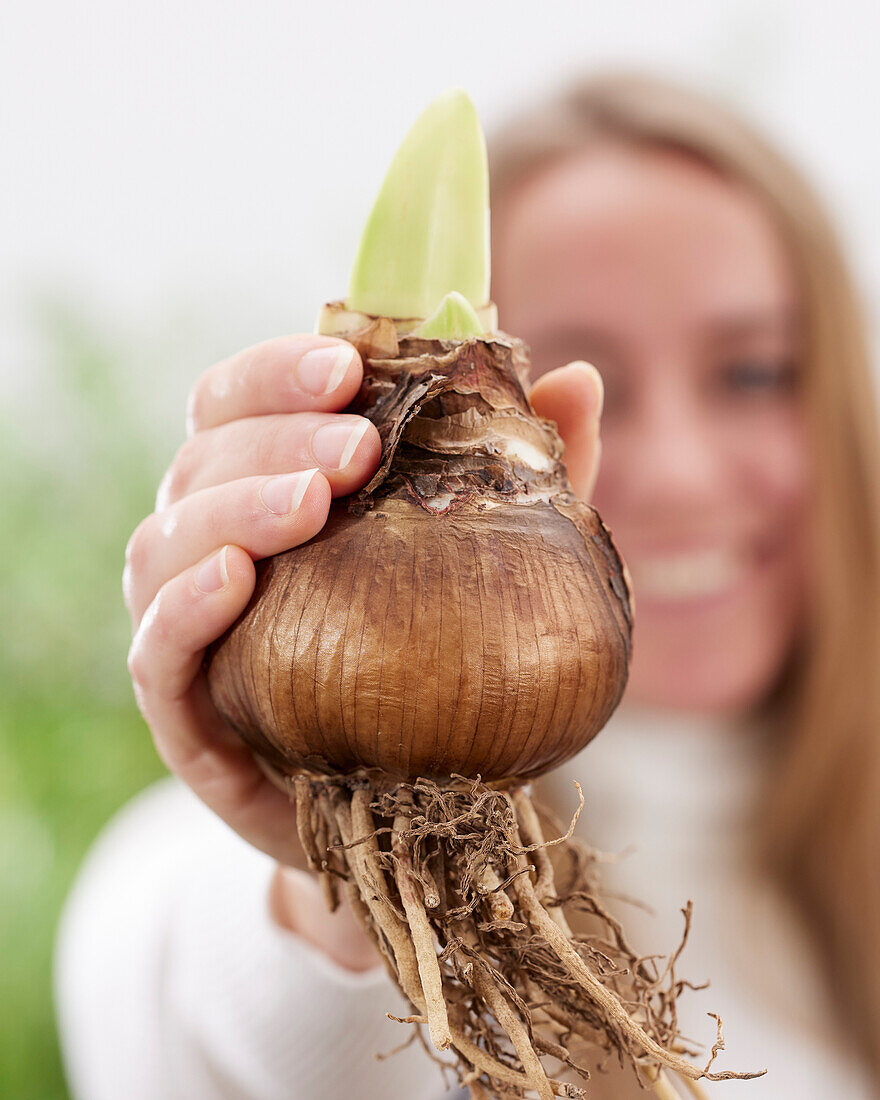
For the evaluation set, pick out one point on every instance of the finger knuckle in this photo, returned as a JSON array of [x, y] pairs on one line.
[[197, 402], [137, 549], [253, 366], [270, 445], [222, 518], [159, 622], [138, 666], [151, 638], [180, 475]]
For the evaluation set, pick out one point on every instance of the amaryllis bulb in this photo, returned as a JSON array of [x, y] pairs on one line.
[[465, 614]]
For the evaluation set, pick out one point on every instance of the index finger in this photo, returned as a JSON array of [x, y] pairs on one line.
[[286, 375]]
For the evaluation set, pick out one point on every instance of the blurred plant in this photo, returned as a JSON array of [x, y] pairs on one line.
[[76, 474]]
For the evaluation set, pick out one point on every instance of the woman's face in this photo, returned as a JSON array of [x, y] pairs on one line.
[[673, 282]]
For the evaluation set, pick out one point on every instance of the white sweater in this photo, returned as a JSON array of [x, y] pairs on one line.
[[173, 981]]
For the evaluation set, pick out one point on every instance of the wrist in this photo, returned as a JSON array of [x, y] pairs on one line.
[[296, 904]]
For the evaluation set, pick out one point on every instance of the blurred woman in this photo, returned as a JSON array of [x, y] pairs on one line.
[[643, 228]]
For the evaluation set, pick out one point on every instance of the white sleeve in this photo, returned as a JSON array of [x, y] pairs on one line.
[[173, 981]]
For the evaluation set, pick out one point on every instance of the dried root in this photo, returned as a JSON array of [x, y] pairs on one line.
[[422, 936], [456, 888]]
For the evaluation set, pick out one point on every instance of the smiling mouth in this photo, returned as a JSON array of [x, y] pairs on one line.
[[691, 575]]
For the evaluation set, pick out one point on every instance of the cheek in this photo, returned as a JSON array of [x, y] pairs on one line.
[[782, 489], [723, 654], [745, 470], [774, 498], [774, 454]]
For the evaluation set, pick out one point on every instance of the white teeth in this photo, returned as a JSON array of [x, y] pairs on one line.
[[685, 576]]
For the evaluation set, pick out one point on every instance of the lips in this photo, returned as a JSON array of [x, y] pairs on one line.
[[685, 575]]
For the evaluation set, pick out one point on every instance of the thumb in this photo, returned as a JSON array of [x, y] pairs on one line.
[[572, 396]]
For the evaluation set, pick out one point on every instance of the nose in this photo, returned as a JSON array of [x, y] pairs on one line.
[[674, 451]]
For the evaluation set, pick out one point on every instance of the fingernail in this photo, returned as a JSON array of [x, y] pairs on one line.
[[321, 370], [333, 445], [283, 495], [213, 574]]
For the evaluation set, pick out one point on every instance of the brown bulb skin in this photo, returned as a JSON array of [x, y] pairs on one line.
[[464, 615]]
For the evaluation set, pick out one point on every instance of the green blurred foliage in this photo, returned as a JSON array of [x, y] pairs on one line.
[[77, 472]]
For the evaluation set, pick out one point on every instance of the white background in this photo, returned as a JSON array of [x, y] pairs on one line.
[[204, 167]]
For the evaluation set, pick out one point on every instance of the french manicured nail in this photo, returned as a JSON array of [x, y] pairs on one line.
[[213, 574], [333, 445], [321, 370], [283, 495]]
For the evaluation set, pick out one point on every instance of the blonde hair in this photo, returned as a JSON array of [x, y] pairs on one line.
[[821, 823]]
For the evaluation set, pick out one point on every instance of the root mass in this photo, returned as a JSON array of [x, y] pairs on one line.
[[456, 888]]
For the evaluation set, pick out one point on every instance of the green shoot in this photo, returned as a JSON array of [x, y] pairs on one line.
[[428, 232], [454, 319]]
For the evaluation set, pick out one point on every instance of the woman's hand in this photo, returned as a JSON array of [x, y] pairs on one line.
[[572, 396], [265, 451]]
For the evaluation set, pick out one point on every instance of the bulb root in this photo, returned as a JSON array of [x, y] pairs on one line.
[[422, 937], [455, 886]]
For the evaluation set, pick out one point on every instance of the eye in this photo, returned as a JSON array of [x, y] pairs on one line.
[[756, 376]]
